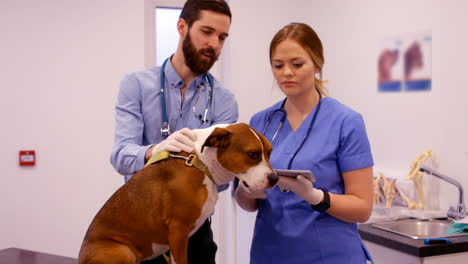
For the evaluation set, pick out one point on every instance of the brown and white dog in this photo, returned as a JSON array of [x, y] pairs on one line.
[[166, 202]]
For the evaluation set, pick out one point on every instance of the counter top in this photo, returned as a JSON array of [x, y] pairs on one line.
[[22, 256], [415, 247]]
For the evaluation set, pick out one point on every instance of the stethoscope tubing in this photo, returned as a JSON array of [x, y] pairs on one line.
[[312, 122], [283, 118], [165, 129]]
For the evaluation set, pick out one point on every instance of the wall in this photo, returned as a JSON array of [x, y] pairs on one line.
[[61, 69], [61, 63]]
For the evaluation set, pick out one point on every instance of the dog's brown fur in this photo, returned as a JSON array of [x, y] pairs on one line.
[[157, 178], [161, 205]]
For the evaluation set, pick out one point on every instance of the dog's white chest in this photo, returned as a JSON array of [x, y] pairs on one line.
[[209, 205], [207, 210]]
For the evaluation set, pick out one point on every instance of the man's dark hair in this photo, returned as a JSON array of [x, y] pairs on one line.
[[191, 11]]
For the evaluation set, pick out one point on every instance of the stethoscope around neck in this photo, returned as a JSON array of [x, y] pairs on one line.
[[166, 128], [282, 111]]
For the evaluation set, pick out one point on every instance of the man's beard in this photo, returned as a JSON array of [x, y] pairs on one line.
[[193, 58]]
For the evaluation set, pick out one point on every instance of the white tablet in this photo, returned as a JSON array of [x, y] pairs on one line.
[[293, 173]]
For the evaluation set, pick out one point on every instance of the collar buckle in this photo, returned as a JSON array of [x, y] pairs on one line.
[[189, 160]]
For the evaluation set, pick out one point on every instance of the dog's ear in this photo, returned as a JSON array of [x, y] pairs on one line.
[[265, 142], [219, 138]]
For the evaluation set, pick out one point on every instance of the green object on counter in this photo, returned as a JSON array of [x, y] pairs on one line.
[[440, 240], [457, 228]]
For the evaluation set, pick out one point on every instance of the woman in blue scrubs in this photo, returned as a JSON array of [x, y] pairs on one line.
[[300, 222]]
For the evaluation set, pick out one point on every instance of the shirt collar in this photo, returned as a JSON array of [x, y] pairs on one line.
[[174, 79]]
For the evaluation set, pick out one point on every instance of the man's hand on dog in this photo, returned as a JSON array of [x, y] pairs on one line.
[[181, 140]]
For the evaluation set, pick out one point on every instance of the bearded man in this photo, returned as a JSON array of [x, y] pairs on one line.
[[157, 108]]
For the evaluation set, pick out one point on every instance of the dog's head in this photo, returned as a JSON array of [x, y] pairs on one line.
[[238, 150]]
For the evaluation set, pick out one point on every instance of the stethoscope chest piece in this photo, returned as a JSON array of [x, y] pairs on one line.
[[165, 127]]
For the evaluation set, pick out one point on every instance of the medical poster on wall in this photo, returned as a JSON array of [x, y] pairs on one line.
[[405, 63]]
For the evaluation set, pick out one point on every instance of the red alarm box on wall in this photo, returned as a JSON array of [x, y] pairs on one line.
[[27, 158]]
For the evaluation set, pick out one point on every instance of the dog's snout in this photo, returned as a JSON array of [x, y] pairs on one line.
[[272, 179], [245, 184]]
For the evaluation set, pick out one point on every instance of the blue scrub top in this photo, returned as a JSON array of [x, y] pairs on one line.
[[287, 229]]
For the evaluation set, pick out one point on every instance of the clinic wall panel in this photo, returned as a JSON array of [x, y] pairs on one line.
[[61, 65]]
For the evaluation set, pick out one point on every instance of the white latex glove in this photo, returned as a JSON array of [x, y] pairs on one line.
[[250, 193], [303, 187], [181, 140]]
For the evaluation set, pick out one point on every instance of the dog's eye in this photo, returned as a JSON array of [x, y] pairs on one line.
[[255, 155]]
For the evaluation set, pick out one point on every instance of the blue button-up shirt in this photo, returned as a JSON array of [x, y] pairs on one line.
[[138, 112]]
